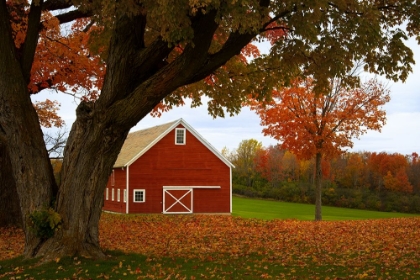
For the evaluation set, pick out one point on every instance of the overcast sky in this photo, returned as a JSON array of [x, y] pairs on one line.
[[401, 134]]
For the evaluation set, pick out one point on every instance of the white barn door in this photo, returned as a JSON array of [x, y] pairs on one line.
[[177, 200]]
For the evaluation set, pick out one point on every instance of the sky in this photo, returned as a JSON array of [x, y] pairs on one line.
[[401, 133]]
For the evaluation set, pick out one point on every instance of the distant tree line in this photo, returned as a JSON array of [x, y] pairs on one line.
[[364, 180]]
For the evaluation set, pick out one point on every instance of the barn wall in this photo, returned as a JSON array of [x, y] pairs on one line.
[[120, 183], [167, 164]]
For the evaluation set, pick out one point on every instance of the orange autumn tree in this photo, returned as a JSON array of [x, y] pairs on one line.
[[269, 163], [319, 125], [390, 171]]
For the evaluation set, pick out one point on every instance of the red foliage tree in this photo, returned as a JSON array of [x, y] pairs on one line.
[[390, 170], [317, 125], [269, 163]]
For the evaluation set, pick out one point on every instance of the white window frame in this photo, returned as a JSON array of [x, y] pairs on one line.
[[112, 194], [134, 195], [118, 195], [106, 194], [184, 140], [125, 195]]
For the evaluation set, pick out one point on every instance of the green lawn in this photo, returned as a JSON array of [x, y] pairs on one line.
[[269, 209]]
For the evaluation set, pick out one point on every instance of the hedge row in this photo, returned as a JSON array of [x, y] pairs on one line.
[[350, 198]]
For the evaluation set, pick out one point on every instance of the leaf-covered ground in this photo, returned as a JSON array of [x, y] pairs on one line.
[[12, 243], [354, 249]]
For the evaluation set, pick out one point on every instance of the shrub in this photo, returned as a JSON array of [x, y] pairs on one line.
[[44, 222]]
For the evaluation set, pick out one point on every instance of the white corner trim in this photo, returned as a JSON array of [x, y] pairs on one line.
[[231, 189], [127, 186]]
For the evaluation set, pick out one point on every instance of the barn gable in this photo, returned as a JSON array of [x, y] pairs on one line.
[[139, 142]]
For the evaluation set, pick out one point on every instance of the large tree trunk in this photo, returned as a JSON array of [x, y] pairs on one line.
[[318, 187], [22, 135], [91, 151], [93, 145], [9, 201]]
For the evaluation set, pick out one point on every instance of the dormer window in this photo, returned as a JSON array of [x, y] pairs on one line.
[[180, 136]]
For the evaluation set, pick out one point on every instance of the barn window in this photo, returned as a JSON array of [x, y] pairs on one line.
[[125, 195], [106, 194], [112, 194], [118, 195], [139, 195], [180, 136], [113, 178]]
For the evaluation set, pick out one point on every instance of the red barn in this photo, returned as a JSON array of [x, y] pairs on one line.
[[169, 169]]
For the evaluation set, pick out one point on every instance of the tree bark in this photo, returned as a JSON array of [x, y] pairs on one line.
[[10, 214], [92, 148], [318, 187], [22, 135]]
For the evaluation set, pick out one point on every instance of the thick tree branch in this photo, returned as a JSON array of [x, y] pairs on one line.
[[139, 63], [6, 43], [195, 52], [154, 56], [150, 92], [53, 5], [73, 15], [31, 39], [233, 46]]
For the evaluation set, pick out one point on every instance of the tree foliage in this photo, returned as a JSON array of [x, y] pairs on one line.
[[306, 122], [244, 160]]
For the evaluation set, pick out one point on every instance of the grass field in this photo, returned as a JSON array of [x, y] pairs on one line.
[[269, 209], [273, 245]]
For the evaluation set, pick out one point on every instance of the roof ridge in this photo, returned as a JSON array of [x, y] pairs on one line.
[[152, 127]]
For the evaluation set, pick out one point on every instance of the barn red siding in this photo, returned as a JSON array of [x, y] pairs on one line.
[[120, 183], [167, 164]]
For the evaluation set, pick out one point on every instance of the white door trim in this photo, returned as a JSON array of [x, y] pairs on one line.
[[177, 200]]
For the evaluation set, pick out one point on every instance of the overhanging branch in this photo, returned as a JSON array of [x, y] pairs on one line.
[[53, 5], [73, 15], [31, 39]]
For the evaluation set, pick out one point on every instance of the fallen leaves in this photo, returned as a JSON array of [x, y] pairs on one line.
[[11, 242], [389, 243], [368, 247]]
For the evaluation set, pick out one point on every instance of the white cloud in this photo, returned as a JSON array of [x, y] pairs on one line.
[[401, 134]]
